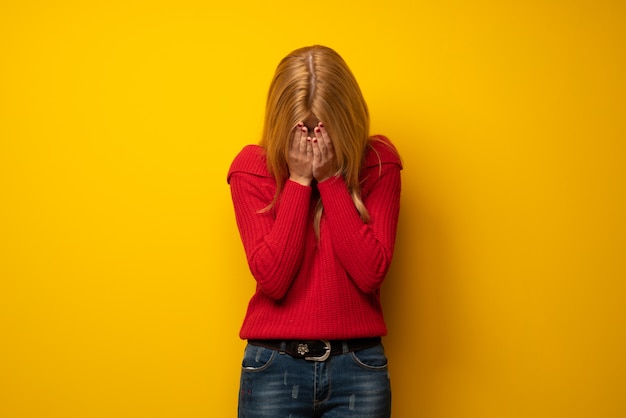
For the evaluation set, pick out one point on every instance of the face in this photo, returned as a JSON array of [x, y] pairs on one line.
[[310, 123]]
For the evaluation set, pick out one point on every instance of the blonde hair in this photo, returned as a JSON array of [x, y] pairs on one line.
[[316, 82]]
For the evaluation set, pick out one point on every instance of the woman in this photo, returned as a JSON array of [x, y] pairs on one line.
[[317, 207]]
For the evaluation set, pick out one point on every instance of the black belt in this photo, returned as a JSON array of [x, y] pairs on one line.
[[316, 350]]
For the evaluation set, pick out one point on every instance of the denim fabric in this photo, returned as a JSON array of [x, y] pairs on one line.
[[276, 385]]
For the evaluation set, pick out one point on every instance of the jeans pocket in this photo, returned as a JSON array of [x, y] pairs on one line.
[[257, 358], [371, 358]]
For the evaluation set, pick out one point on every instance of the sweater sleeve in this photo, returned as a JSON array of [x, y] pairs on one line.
[[365, 250], [273, 240]]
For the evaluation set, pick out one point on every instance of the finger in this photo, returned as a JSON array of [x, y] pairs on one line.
[[326, 146], [317, 152], [309, 149], [299, 146], [319, 140], [325, 136], [295, 139], [302, 139]]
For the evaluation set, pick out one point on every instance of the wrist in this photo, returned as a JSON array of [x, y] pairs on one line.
[[304, 181], [328, 177]]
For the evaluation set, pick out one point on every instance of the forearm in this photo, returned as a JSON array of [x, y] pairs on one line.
[[365, 250], [273, 240]]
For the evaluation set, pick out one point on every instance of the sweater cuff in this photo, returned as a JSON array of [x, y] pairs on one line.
[[289, 181], [293, 208], [338, 204], [294, 192]]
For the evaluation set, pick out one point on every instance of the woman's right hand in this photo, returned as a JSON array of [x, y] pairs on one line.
[[300, 158]]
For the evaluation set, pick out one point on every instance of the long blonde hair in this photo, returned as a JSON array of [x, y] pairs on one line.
[[316, 81]]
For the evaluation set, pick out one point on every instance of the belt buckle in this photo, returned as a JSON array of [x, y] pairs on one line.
[[323, 356]]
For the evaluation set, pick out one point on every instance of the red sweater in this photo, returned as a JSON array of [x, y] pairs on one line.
[[309, 288]]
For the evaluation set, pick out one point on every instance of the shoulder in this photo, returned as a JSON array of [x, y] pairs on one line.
[[381, 151], [250, 160]]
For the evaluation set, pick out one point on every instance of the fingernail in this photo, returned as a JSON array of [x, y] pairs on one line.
[[321, 124], [315, 140], [303, 129], [300, 125], [317, 129]]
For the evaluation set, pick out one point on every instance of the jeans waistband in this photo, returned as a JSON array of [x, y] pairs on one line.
[[317, 350]]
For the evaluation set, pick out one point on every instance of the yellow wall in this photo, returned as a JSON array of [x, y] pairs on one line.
[[123, 281]]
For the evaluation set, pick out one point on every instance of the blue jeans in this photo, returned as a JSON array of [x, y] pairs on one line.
[[352, 384]]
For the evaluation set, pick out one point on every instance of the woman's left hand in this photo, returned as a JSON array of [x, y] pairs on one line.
[[324, 160]]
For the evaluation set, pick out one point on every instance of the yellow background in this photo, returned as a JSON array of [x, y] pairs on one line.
[[123, 280]]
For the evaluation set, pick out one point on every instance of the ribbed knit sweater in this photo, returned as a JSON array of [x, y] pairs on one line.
[[310, 288]]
